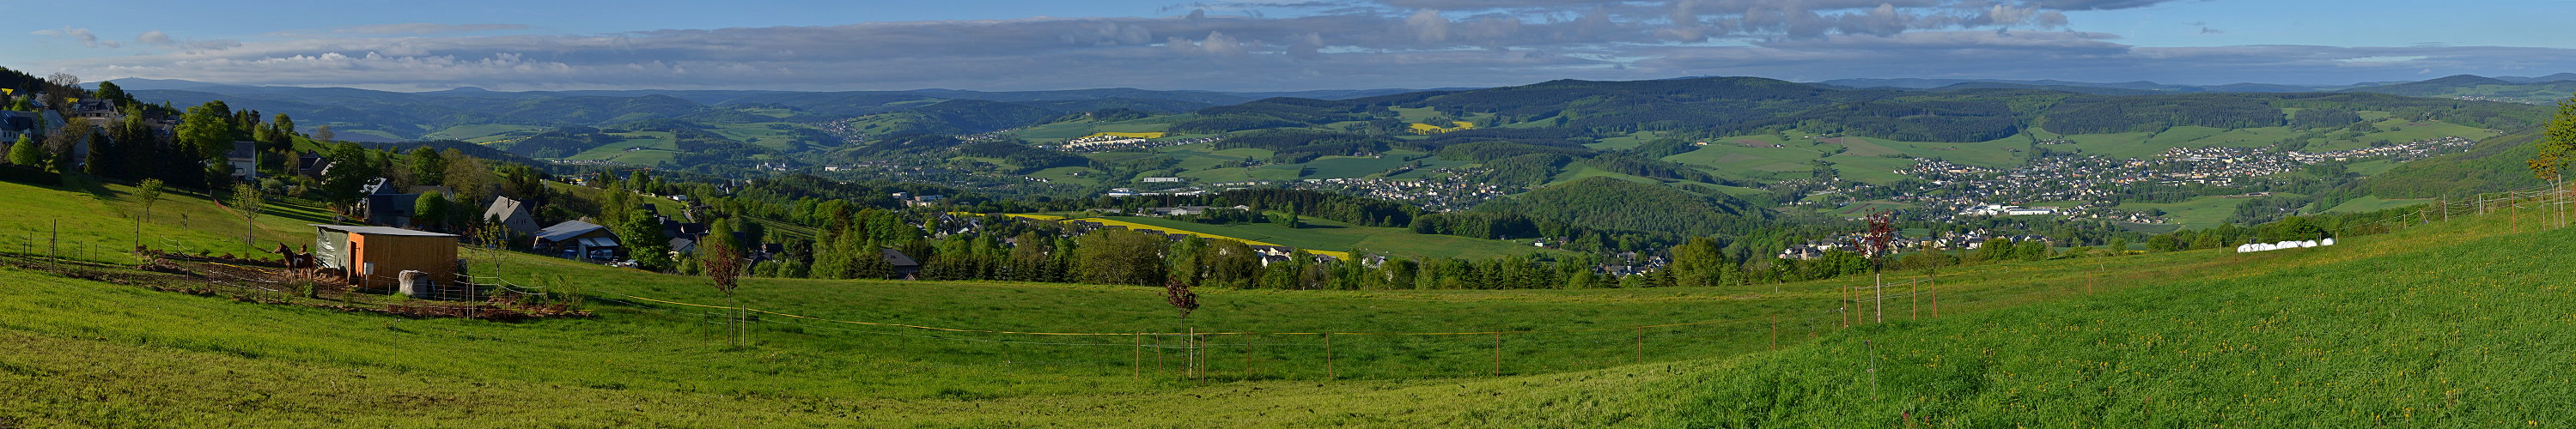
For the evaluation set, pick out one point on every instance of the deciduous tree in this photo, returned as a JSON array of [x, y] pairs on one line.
[[2559, 147], [145, 193], [26, 153], [429, 210], [246, 200]]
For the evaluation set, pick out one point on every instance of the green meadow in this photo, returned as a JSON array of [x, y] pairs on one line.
[[2447, 324]]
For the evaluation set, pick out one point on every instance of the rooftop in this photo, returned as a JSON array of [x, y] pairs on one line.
[[379, 230]]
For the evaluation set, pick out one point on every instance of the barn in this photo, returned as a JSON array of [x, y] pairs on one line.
[[576, 239], [374, 256]]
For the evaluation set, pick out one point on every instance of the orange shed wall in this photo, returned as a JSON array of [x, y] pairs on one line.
[[394, 254]]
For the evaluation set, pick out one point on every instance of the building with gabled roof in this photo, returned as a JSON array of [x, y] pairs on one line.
[[511, 214], [577, 239]]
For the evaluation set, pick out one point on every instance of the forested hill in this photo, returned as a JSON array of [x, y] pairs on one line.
[[2539, 90], [1613, 204]]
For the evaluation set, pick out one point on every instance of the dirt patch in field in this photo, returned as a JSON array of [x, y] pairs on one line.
[[267, 282]]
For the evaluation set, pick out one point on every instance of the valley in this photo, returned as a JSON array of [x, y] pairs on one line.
[[1120, 214]]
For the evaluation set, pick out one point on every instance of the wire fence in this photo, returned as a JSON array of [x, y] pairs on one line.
[[1228, 355]]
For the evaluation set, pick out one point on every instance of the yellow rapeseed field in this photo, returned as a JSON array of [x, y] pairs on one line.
[[1435, 129], [1133, 135]]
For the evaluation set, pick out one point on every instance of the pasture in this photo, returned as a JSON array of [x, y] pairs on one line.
[[2429, 326]]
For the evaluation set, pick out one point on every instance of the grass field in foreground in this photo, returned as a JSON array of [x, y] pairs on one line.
[[2442, 325]]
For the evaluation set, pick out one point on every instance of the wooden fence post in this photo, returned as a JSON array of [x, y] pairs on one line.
[[1328, 356], [1202, 358], [1139, 367], [1641, 344], [1498, 353]]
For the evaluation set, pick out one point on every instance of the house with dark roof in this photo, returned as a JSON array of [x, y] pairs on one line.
[[382, 205], [311, 164], [689, 230], [577, 239], [14, 124], [244, 159], [904, 267]]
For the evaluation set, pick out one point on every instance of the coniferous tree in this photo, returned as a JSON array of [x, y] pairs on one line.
[[869, 262]]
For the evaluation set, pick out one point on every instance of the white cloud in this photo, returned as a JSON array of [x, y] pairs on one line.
[[81, 35], [425, 28], [156, 38], [1394, 43]]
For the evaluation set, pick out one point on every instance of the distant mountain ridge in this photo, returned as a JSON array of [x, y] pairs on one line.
[[374, 115], [2532, 90], [2136, 87]]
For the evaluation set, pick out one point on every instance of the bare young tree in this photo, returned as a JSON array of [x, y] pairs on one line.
[[63, 79], [723, 265], [246, 201], [66, 86], [1882, 231], [147, 192]]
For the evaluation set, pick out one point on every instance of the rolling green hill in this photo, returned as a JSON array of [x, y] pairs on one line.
[[1607, 203], [2535, 92]]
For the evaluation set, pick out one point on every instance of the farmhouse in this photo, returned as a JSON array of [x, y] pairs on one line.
[[30, 124], [511, 215], [244, 159], [311, 164], [577, 239], [375, 257], [383, 206]]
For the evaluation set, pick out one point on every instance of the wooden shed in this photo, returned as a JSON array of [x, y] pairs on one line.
[[375, 256]]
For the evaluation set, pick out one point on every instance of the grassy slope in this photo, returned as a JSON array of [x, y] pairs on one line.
[[100, 216], [2193, 338], [2439, 326]]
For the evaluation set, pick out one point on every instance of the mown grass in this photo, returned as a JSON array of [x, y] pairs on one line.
[[2451, 324]]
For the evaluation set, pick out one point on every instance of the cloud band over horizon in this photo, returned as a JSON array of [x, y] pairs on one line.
[[1371, 44]]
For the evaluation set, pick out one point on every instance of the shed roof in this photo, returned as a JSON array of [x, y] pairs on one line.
[[897, 258], [379, 230], [567, 229]]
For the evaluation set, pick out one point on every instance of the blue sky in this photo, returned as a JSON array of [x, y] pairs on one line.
[[1274, 44]]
